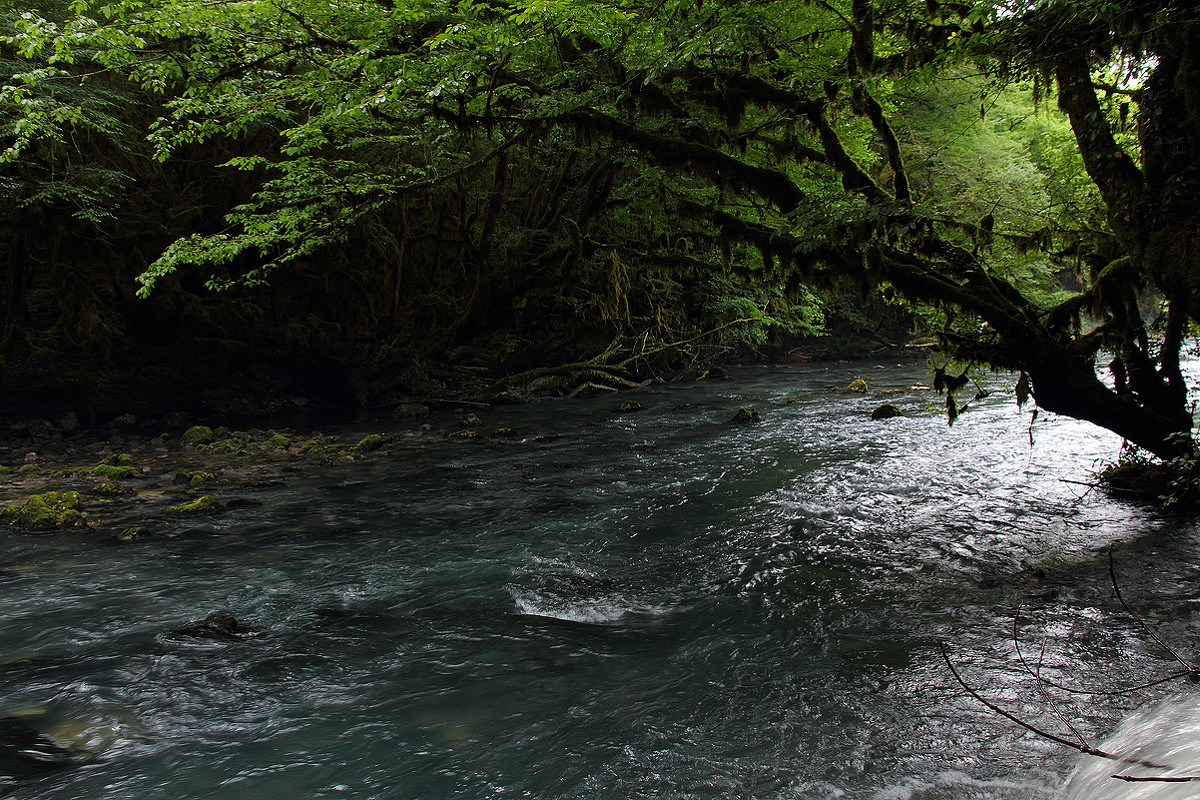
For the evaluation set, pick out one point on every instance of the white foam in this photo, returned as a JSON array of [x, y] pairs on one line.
[[1167, 733]]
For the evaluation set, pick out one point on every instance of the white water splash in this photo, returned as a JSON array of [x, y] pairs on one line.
[[1168, 734]]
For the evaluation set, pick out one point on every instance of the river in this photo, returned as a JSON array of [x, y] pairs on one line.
[[649, 603]]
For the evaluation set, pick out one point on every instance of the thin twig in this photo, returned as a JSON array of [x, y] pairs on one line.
[[1037, 677], [1083, 748], [1112, 574]]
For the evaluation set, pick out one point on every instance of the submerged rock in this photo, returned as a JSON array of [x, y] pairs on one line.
[[215, 627], [26, 751]]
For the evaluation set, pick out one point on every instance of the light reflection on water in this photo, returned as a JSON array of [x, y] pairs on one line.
[[649, 604]]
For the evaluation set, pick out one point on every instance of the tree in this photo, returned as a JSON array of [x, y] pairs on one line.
[[766, 125]]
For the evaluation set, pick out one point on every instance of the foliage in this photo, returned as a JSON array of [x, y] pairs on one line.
[[637, 186]]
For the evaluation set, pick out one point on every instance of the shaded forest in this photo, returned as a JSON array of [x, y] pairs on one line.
[[245, 207]]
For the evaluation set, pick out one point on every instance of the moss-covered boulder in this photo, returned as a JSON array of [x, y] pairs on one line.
[[114, 473], [49, 510], [746, 416], [227, 445], [204, 504], [197, 434], [194, 477], [372, 441], [858, 386], [886, 411], [277, 442]]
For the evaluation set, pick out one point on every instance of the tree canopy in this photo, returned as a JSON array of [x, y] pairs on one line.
[[679, 171]]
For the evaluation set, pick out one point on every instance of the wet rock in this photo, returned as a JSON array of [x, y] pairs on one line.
[[858, 386], [204, 504], [504, 433], [218, 626], [370, 442], [411, 411], [278, 442], [49, 510], [194, 477], [717, 373], [112, 472], [746, 416], [197, 434], [629, 407], [134, 533], [26, 751], [886, 411]]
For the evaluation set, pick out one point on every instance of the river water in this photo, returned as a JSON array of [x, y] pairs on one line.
[[654, 603]]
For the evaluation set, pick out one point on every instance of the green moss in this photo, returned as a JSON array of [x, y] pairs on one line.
[[5, 470], [313, 448], [372, 441], [223, 446], [204, 504], [194, 477], [133, 533], [108, 488], [119, 459], [746, 415], [411, 411], [857, 385], [49, 510], [278, 442], [29, 469], [113, 473], [197, 434]]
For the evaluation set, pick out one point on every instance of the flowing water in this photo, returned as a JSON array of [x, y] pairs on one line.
[[622, 605]]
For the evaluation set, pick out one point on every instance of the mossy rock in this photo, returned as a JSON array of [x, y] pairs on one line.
[[204, 504], [197, 435], [278, 442], [229, 445], [49, 510], [746, 416], [629, 407], [119, 459], [194, 477], [5, 470], [133, 533], [411, 411], [29, 469], [110, 472], [313, 448], [108, 488], [372, 441], [504, 433], [858, 386], [886, 411]]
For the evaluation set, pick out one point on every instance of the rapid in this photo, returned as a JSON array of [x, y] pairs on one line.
[[629, 604]]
